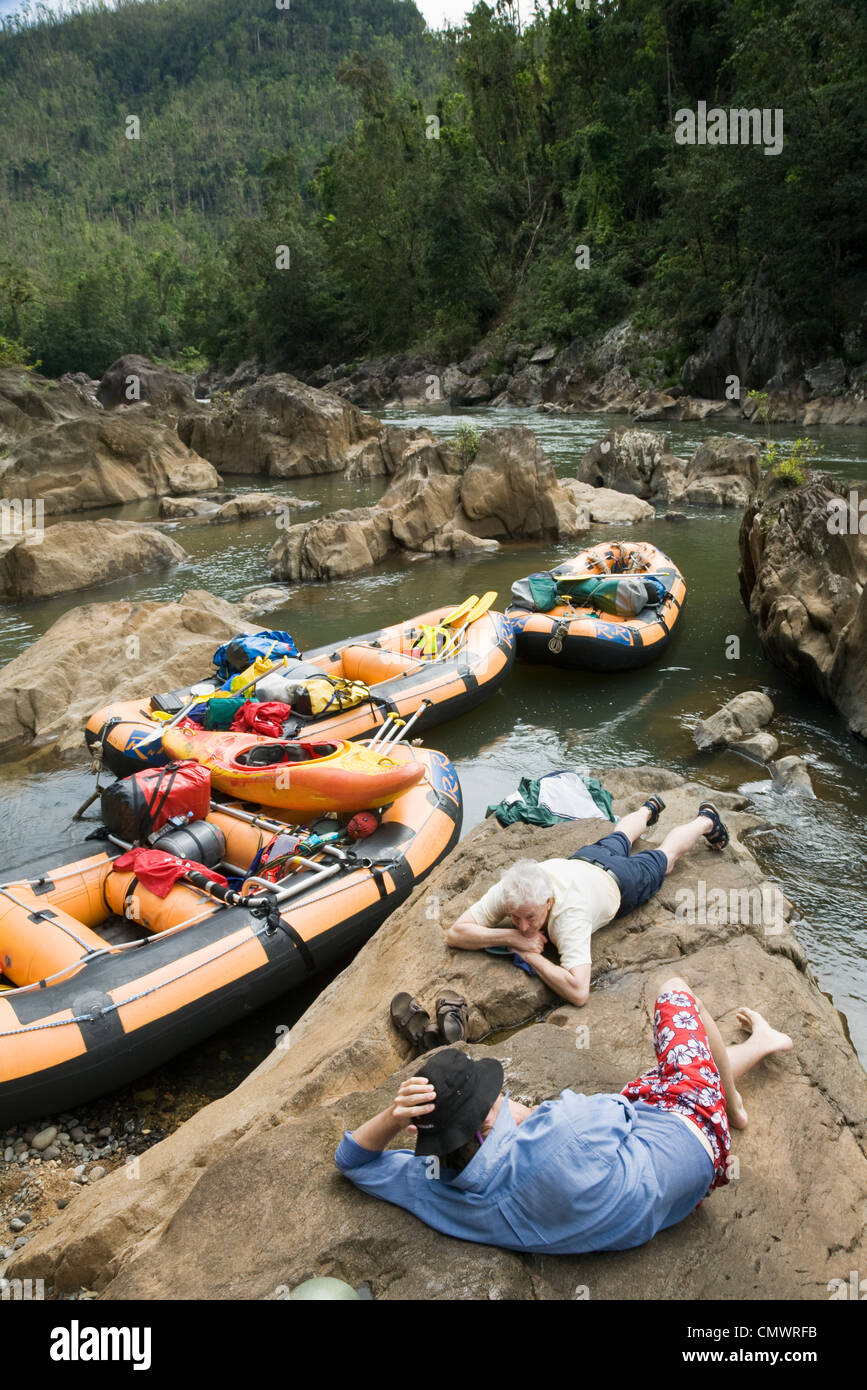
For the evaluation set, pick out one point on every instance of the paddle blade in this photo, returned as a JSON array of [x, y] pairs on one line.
[[458, 614], [481, 606]]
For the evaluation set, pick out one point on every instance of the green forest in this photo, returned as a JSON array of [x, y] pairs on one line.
[[211, 180]]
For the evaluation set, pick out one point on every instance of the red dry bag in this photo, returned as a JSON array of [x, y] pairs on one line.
[[134, 807]]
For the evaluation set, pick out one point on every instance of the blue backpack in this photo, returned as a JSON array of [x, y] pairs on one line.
[[242, 651]]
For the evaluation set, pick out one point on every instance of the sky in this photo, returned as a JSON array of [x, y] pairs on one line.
[[436, 12]]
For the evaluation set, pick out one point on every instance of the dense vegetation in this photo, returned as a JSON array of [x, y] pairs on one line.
[[310, 128]]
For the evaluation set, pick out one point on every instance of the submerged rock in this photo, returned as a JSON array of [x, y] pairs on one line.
[[736, 720], [760, 746], [606, 506], [792, 775], [785, 1222], [80, 554], [175, 508], [260, 600], [803, 581], [251, 504]]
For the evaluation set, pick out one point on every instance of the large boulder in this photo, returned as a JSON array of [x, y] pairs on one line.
[[283, 428], [723, 472], [79, 554], [638, 462], [787, 1222], [30, 402], [510, 488], [343, 543], [100, 460], [108, 651], [803, 577], [434, 502], [135, 378]]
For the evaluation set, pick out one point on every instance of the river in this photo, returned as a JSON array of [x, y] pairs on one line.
[[542, 719]]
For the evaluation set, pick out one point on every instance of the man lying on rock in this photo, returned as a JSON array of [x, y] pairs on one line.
[[574, 1174], [566, 900]]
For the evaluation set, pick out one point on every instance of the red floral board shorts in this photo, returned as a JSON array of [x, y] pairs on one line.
[[685, 1078]]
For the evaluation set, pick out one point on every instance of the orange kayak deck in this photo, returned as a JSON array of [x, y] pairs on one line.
[[302, 776]]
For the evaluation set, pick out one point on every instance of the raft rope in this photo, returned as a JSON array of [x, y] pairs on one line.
[[267, 929], [134, 998]]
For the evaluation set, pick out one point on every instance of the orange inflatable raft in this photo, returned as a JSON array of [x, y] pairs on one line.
[[386, 660], [102, 980], [292, 775], [574, 635]]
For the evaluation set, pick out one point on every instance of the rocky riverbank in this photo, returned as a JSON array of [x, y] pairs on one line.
[[624, 370], [190, 1225], [803, 573]]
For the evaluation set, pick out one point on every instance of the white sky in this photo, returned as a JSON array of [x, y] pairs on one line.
[[439, 12], [436, 12]]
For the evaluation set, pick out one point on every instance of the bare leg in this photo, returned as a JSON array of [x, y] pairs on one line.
[[733, 1062], [683, 838], [633, 825]]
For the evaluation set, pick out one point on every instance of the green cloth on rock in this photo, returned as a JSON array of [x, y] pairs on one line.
[[523, 805]]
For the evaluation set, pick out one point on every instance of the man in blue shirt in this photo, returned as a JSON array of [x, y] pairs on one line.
[[577, 1173]]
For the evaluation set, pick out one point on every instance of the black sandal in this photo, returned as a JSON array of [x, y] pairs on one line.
[[718, 836], [410, 1019], [656, 806], [452, 1016]]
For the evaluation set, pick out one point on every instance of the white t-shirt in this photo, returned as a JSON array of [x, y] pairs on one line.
[[585, 898]]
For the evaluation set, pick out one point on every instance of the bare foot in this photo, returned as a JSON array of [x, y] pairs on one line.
[[770, 1039], [735, 1109]]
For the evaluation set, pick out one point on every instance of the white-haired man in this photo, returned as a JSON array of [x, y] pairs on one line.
[[565, 900]]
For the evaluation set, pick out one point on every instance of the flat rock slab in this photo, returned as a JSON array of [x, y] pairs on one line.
[[243, 1200], [108, 651]]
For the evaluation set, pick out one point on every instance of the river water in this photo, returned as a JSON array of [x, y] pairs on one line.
[[542, 719]]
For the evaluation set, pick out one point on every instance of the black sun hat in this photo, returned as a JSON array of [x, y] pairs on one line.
[[465, 1092]]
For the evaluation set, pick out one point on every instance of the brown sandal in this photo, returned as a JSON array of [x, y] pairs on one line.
[[410, 1019], [452, 1017]]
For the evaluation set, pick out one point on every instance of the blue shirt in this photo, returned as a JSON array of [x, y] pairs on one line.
[[580, 1173]]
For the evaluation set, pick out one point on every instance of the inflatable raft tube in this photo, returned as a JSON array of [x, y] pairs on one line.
[[304, 777], [382, 659], [577, 637], [82, 1012]]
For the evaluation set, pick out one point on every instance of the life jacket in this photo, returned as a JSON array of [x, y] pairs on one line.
[[429, 639]]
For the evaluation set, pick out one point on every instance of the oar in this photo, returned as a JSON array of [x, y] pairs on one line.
[[477, 611], [401, 728], [197, 699]]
